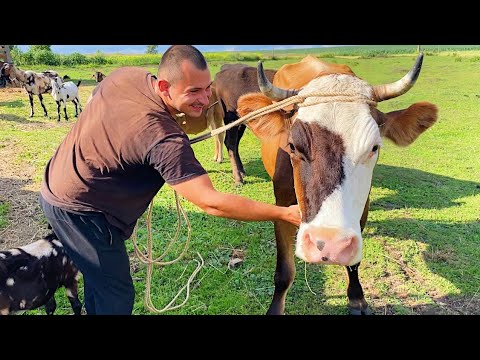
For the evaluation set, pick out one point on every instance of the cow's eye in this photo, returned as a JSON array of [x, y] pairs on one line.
[[375, 148], [292, 147]]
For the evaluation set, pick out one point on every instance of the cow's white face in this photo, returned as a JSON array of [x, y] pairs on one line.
[[335, 148]]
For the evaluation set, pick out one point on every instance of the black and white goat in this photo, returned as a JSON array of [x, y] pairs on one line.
[[33, 82], [30, 275], [63, 92]]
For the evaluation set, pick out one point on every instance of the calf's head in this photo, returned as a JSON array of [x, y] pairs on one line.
[[334, 139]]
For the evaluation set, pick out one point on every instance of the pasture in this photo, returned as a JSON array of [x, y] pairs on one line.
[[422, 239]]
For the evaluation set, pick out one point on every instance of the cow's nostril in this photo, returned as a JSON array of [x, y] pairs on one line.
[[320, 245], [324, 258]]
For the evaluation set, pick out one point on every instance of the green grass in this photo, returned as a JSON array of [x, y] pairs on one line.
[[422, 240]]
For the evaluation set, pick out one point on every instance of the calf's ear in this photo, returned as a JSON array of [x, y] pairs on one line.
[[403, 127]]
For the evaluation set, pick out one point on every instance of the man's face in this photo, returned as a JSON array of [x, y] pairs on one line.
[[191, 94]]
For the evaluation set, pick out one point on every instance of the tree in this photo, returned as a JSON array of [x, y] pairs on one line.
[[40, 47], [152, 49]]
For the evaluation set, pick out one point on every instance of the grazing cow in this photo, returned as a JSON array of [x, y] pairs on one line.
[[30, 275], [232, 81], [212, 118], [322, 157], [33, 82]]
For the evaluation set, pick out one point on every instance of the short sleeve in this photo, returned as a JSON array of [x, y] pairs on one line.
[[174, 159]]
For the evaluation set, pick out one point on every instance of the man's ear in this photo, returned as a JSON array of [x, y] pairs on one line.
[[163, 86]]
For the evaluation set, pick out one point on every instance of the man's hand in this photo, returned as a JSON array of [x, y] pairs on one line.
[[293, 215]]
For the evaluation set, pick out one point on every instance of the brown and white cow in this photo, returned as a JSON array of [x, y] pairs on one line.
[[321, 155]]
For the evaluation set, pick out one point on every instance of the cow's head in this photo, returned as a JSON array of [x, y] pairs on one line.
[[334, 140]]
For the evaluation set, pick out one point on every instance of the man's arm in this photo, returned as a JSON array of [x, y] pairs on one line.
[[201, 192]]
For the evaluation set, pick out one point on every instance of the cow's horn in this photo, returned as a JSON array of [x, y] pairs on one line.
[[268, 89], [388, 91]]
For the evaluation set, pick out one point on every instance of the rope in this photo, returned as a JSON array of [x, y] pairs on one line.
[[321, 97], [148, 258]]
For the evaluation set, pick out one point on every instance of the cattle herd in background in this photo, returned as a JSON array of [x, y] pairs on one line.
[[313, 157]]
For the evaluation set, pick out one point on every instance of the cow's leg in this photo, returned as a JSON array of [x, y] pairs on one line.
[[285, 269], [231, 141], [215, 121], [51, 305], [40, 97], [218, 157], [30, 98], [238, 160], [58, 110], [356, 302], [363, 219], [357, 305], [284, 233]]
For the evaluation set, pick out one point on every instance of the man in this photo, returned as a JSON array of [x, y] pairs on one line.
[[123, 148]]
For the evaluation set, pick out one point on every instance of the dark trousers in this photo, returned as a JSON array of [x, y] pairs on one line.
[[98, 250]]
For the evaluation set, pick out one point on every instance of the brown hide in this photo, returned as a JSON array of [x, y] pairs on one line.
[[235, 80], [295, 76], [271, 129]]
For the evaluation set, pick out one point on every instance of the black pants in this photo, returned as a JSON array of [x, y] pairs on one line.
[[98, 250]]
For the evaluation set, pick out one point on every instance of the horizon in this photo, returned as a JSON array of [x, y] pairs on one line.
[[141, 49]]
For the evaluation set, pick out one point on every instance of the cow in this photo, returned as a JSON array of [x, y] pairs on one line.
[[232, 81], [321, 155]]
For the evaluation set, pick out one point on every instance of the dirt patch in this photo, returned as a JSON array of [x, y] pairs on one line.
[[25, 218]]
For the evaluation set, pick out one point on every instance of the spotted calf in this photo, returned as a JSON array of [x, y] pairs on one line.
[[30, 275]]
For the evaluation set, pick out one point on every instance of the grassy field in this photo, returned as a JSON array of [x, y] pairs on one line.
[[422, 240]]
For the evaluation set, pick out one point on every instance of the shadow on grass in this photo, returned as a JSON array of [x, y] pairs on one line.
[[419, 189], [12, 104], [18, 119]]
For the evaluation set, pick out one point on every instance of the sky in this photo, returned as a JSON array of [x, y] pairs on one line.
[[140, 49]]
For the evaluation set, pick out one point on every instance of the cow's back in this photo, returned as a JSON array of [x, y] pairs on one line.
[[235, 80]]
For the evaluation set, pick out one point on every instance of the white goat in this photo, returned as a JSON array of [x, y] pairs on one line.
[[63, 92]]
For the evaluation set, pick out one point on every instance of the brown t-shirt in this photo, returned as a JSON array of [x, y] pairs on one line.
[[123, 148]]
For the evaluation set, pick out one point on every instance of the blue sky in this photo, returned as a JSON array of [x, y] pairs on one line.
[[140, 49]]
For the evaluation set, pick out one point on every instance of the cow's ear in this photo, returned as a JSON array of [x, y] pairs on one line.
[[265, 126], [403, 127]]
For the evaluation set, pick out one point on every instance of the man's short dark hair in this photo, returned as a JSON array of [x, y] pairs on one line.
[[172, 58]]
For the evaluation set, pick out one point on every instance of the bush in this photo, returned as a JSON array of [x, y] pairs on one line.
[[45, 57]]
